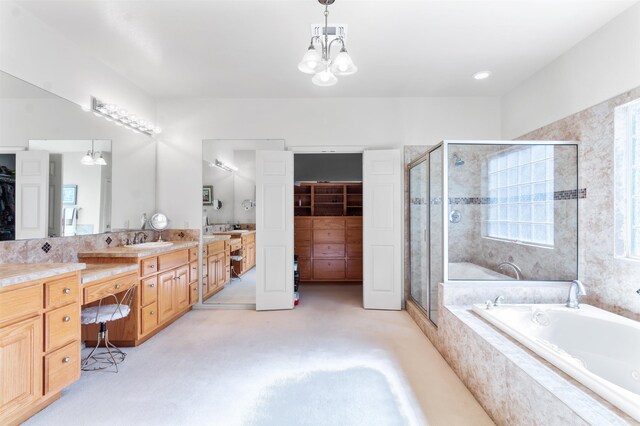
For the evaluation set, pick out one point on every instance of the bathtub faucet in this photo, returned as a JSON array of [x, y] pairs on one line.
[[513, 266], [575, 291]]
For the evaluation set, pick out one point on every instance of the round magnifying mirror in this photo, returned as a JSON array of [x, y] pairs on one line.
[[216, 204], [159, 222]]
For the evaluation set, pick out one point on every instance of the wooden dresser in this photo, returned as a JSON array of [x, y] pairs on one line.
[[167, 288], [217, 268], [39, 343]]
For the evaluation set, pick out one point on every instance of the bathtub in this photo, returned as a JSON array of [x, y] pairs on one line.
[[471, 271], [599, 349]]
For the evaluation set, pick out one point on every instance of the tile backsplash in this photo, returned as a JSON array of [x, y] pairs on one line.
[[65, 249]]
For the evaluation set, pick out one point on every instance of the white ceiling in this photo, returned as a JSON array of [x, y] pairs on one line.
[[186, 48]]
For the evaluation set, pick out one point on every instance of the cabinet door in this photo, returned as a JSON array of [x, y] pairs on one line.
[[221, 271], [20, 366], [212, 267], [182, 287], [166, 299]]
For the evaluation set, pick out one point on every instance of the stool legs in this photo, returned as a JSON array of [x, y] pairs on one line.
[[100, 360]]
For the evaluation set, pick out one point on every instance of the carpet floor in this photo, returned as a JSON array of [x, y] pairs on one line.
[[327, 362], [240, 292]]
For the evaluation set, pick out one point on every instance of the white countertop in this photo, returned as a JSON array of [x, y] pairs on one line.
[[135, 253], [18, 273]]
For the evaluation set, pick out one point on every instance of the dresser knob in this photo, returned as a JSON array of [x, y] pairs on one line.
[[117, 285], [66, 359], [66, 291], [151, 312], [152, 285], [66, 318], [152, 266]]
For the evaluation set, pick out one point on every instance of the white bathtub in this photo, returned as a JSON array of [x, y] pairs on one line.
[[597, 348], [471, 271]]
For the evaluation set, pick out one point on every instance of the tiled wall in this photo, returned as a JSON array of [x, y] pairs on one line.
[[65, 249]]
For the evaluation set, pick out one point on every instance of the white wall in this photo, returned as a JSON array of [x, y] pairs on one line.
[[373, 122], [34, 52], [603, 65]]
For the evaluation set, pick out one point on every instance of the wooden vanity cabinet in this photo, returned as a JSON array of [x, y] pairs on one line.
[[39, 344], [165, 291], [218, 268]]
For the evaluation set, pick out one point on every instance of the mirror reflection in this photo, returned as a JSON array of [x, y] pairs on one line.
[[512, 212], [66, 172]]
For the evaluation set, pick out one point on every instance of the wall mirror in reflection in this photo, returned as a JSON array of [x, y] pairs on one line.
[[513, 211]]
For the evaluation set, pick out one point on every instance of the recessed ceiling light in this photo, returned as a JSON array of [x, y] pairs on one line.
[[482, 75]]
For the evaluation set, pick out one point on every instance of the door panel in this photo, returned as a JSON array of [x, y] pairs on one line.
[[182, 287], [32, 194], [166, 298]]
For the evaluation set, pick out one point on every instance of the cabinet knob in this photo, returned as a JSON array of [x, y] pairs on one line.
[[117, 285], [66, 359], [66, 291], [152, 266], [66, 318], [151, 312], [152, 285]]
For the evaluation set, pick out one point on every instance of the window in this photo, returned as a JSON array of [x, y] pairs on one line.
[[521, 192], [633, 213]]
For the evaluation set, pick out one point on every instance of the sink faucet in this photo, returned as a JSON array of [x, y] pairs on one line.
[[575, 291], [143, 238], [513, 266]]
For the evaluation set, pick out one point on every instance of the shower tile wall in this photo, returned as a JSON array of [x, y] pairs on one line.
[[611, 281]]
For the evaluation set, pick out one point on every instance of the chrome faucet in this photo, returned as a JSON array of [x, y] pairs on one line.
[[142, 239], [498, 301], [513, 266], [575, 291]]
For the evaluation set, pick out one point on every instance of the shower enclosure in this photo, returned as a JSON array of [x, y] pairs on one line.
[[492, 211]]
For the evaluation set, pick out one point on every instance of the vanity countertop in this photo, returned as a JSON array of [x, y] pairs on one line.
[[217, 237], [238, 232], [98, 271], [132, 252], [18, 273]]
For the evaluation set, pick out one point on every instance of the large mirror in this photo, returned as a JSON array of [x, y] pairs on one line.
[[65, 171], [513, 211]]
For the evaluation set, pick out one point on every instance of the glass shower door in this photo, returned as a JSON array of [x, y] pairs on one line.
[[436, 224], [418, 216]]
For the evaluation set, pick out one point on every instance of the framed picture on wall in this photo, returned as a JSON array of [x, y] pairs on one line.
[[207, 195], [70, 194]]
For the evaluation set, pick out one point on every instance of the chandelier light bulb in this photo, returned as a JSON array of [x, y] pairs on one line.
[[310, 62], [343, 64], [157, 130], [324, 78], [88, 160], [100, 161]]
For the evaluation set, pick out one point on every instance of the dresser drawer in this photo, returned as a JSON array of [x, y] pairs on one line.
[[172, 260], [193, 293], [354, 235], [62, 367], [354, 251], [328, 270], [300, 223], [148, 266], [94, 292], [61, 326], [302, 237], [354, 269], [304, 267], [20, 303], [193, 254], [61, 292], [149, 318], [328, 223], [328, 236], [303, 252], [216, 247], [193, 272], [354, 222], [149, 290], [330, 251]]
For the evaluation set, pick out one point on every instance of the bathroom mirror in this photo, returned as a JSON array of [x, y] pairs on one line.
[[33, 121], [516, 211]]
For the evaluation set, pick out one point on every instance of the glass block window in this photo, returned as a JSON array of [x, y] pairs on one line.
[[634, 187], [521, 190]]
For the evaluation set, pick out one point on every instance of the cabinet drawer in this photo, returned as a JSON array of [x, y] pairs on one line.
[[61, 292], [302, 237], [354, 269], [62, 367], [216, 247], [148, 266], [301, 223], [328, 250], [193, 254], [354, 235], [193, 272], [328, 269], [97, 291], [354, 222], [304, 267], [20, 303], [61, 326], [172, 260], [149, 317], [328, 236], [149, 290], [328, 223], [193, 293], [303, 252], [354, 250]]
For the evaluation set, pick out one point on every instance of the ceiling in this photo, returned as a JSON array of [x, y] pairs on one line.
[[250, 49]]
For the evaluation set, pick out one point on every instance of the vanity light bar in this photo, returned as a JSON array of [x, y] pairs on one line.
[[224, 166], [122, 117]]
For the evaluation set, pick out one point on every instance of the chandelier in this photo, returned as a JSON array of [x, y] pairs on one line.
[[320, 63]]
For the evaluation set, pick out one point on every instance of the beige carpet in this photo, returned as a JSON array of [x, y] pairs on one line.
[[327, 362], [237, 291]]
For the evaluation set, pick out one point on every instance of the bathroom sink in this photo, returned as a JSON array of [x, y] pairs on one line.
[[150, 245]]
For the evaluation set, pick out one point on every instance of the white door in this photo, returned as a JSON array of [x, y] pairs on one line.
[[274, 223], [382, 229], [32, 194], [55, 195]]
